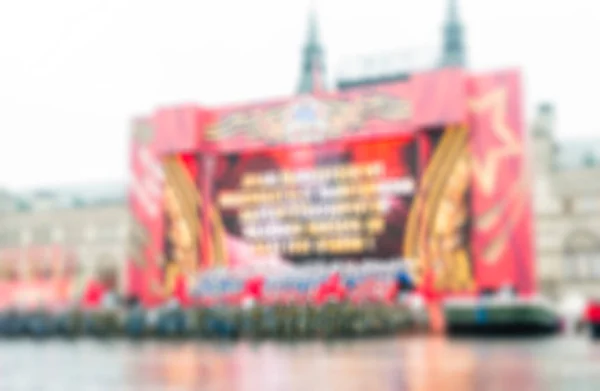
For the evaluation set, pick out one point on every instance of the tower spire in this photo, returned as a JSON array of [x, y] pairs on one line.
[[453, 54], [313, 63]]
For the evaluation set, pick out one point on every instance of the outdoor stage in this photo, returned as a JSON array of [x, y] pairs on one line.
[[429, 173]]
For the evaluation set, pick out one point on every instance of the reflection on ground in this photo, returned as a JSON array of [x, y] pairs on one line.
[[414, 364]]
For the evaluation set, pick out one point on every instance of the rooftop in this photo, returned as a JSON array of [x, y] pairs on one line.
[[67, 197]]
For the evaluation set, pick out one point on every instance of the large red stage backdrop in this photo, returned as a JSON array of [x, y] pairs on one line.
[[430, 170]]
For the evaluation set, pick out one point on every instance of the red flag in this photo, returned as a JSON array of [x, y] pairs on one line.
[[180, 291], [254, 288], [593, 312], [428, 288], [93, 295]]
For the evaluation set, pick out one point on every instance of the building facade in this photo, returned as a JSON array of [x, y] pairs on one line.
[[567, 207], [84, 230]]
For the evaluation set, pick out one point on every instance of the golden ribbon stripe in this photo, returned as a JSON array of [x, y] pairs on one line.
[[440, 164], [455, 272], [182, 193], [193, 197], [433, 196], [412, 224], [182, 196]]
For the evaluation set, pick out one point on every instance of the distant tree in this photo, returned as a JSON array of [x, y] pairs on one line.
[[78, 202], [589, 160]]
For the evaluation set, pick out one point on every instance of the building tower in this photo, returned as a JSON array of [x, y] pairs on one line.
[[543, 146], [453, 54], [312, 76]]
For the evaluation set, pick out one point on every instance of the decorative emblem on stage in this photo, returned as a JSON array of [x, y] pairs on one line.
[[310, 120], [305, 121]]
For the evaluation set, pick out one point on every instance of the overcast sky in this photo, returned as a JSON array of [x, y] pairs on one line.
[[74, 72]]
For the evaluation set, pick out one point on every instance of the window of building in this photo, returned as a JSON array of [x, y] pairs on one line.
[[8, 272], [587, 205], [582, 271], [568, 269], [547, 242], [567, 205], [73, 233], [58, 235], [90, 233], [9, 238], [579, 267], [72, 268], [41, 235], [42, 269], [582, 249], [109, 232], [123, 230], [15, 237], [25, 237], [595, 266]]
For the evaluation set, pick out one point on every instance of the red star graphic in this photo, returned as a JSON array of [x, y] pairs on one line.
[[485, 168]]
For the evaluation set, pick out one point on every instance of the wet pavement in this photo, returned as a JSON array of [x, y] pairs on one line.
[[407, 363]]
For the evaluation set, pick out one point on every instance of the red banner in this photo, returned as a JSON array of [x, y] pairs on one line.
[[502, 235], [146, 202]]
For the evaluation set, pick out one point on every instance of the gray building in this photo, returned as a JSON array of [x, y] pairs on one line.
[[87, 224], [567, 210]]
